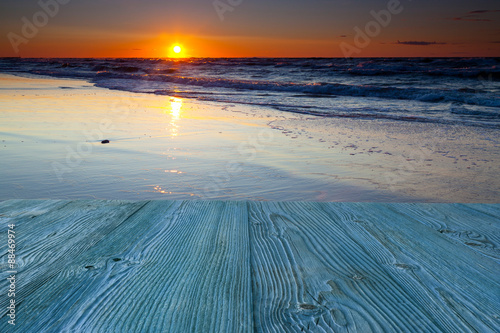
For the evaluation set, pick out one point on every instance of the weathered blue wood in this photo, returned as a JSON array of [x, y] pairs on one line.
[[365, 267], [211, 266], [159, 266]]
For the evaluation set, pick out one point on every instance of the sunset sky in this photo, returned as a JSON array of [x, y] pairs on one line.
[[248, 28]]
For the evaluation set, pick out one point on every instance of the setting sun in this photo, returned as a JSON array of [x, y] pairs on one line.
[[176, 50]]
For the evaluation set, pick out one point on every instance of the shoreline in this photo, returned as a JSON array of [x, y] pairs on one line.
[[165, 147]]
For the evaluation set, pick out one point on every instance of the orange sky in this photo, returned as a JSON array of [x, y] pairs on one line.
[[130, 28]]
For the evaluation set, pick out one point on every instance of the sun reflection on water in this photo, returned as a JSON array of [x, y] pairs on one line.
[[176, 106], [159, 189], [175, 113]]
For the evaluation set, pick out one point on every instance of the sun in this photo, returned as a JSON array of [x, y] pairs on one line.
[[176, 50]]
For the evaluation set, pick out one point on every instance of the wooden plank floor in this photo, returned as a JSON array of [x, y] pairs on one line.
[[212, 266]]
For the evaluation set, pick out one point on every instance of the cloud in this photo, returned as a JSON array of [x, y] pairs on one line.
[[472, 16], [343, 36], [421, 43], [463, 18], [483, 11]]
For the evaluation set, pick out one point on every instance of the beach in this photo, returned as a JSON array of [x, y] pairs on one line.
[[172, 147], [249, 166]]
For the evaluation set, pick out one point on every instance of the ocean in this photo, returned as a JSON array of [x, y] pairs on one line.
[[457, 91]]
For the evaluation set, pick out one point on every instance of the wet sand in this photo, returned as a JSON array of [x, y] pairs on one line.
[[165, 147]]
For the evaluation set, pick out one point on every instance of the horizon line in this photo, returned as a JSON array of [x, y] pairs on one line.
[[254, 57]]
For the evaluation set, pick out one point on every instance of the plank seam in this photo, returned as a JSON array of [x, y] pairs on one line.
[[250, 257]]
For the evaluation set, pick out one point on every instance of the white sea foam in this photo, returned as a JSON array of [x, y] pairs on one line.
[[450, 90]]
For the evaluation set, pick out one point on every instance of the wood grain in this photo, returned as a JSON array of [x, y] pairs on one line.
[[135, 267], [212, 266]]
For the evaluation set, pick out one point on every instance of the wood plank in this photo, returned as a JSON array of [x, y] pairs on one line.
[[212, 266], [453, 274], [365, 267], [473, 225], [50, 233], [162, 266]]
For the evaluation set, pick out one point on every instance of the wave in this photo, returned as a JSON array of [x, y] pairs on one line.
[[461, 95], [464, 90], [442, 67]]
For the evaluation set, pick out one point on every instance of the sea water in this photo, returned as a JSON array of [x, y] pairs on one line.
[[459, 91]]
